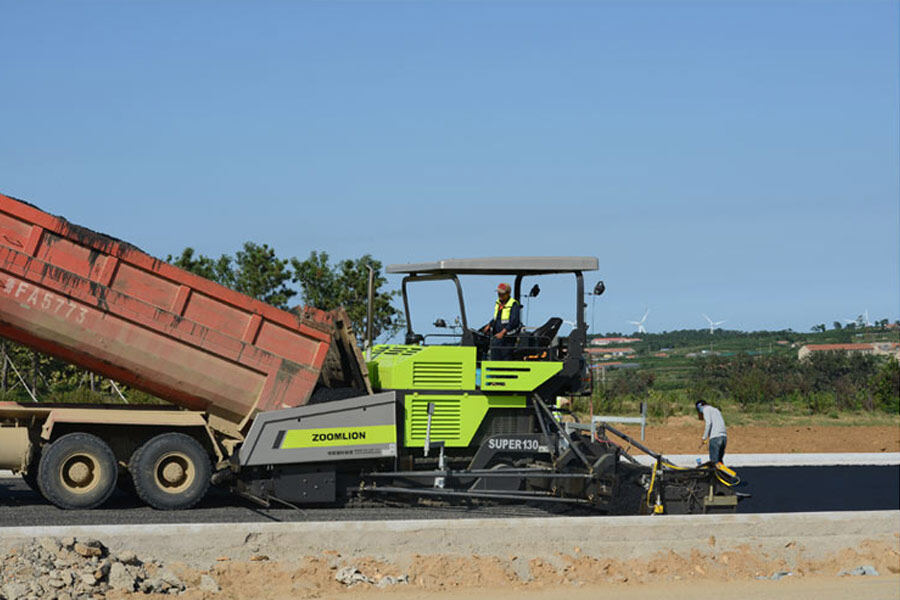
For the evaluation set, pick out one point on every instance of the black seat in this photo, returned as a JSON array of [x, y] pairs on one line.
[[531, 344], [544, 334]]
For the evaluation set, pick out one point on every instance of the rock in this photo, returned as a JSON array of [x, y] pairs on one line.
[[154, 585], [87, 551], [391, 580], [120, 579], [170, 578], [521, 568], [127, 556], [50, 544], [861, 570], [351, 576], [14, 591], [208, 584], [67, 542]]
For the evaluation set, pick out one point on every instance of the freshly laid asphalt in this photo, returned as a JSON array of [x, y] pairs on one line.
[[817, 489], [772, 489]]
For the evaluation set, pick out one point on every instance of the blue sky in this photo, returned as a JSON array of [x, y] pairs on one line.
[[734, 159]]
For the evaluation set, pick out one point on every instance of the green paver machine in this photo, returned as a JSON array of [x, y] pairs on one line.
[[449, 423]]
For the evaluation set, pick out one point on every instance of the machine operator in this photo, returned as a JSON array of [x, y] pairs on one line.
[[505, 325]]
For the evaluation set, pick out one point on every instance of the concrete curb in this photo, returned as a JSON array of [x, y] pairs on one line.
[[815, 534]]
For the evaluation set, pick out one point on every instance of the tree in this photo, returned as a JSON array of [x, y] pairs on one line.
[[215, 270], [885, 385], [318, 280], [837, 325], [346, 284], [259, 273], [819, 328], [254, 270]]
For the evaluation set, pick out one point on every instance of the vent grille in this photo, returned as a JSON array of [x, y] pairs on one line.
[[437, 375], [445, 423], [391, 350]]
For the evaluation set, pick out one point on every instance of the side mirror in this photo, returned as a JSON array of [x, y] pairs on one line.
[[599, 288], [535, 290], [440, 323]]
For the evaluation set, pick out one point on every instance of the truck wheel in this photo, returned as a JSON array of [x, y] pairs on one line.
[[30, 478], [170, 472], [77, 471]]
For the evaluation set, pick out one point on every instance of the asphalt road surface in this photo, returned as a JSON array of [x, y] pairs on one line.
[[817, 489], [773, 489]]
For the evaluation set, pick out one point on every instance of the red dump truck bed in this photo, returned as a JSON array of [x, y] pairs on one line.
[[107, 306]]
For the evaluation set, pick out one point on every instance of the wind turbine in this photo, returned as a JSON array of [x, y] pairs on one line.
[[640, 324], [712, 324]]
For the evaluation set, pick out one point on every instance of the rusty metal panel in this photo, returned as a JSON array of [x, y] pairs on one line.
[[105, 305]]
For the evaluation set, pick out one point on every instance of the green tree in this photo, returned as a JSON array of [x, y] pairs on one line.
[[318, 281], [345, 284], [218, 270], [885, 386], [260, 274], [255, 270], [837, 325]]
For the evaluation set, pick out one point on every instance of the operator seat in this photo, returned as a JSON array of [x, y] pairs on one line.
[[530, 344]]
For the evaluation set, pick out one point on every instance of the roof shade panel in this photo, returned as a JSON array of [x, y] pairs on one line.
[[510, 265]]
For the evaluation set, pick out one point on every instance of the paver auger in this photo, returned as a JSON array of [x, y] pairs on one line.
[[281, 407]]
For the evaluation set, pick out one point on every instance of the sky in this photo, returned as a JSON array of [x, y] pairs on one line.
[[733, 159]]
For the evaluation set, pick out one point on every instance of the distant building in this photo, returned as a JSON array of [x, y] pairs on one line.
[[613, 340], [661, 355], [879, 348], [610, 352]]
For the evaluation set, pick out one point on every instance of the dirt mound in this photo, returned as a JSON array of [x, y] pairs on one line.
[[70, 569], [51, 569]]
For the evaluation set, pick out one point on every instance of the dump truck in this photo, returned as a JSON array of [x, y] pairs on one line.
[[281, 406]]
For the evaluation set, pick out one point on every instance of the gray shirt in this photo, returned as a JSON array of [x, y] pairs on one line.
[[715, 424]]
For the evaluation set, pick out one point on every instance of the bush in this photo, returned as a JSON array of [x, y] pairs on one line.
[[820, 403], [660, 405], [826, 383], [885, 386]]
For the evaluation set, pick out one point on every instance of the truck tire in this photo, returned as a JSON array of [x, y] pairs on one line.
[[30, 478], [170, 471], [77, 471]]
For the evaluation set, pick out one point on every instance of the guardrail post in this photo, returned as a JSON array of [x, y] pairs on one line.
[[643, 418]]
